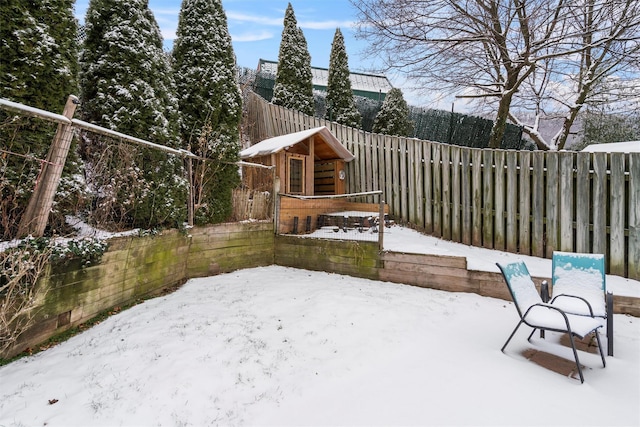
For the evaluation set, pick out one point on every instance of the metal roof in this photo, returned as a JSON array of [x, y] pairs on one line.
[[373, 83]]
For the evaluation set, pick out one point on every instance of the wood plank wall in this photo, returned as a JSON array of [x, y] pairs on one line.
[[519, 201]]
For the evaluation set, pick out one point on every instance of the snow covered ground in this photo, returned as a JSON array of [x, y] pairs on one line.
[[282, 346]]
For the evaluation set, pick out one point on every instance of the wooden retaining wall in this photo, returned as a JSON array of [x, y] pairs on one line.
[[136, 267], [353, 258], [443, 272]]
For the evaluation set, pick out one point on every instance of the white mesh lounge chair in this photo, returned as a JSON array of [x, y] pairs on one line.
[[545, 317], [579, 287]]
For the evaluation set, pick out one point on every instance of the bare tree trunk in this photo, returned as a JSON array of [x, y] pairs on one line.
[[36, 216], [500, 123], [560, 139]]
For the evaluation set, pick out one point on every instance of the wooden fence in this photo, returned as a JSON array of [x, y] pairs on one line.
[[528, 202]]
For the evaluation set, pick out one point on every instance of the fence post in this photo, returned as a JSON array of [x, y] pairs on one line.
[[190, 202], [35, 218], [381, 224], [276, 202]]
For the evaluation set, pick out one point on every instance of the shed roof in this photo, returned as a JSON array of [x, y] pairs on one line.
[[279, 143]]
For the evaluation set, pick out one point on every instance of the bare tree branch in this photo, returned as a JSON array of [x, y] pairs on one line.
[[506, 50]]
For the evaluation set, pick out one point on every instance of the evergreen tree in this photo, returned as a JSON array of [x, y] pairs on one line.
[[601, 127], [294, 82], [340, 101], [127, 85], [38, 67], [393, 117], [210, 104], [39, 52]]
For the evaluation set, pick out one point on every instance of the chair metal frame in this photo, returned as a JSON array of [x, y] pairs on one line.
[[567, 324]]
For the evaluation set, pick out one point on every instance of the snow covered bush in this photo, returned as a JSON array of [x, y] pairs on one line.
[[393, 117], [20, 291]]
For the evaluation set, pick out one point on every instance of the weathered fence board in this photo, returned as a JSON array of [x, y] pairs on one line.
[[500, 193], [419, 184], [599, 203], [456, 230], [537, 227], [465, 189], [427, 170], [395, 166], [404, 188], [487, 198], [445, 154], [374, 161], [582, 202], [617, 214], [512, 202], [476, 234], [566, 197], [634, 217], [524, 203], [411, 181], [551, 232], [437, 190]]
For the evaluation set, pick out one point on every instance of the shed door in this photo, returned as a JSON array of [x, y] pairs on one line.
[[295, 174]]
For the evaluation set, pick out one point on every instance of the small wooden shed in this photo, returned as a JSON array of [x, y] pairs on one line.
[[307, 163]]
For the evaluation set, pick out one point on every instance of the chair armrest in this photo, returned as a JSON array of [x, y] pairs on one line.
[[550, 307], [576, 297]]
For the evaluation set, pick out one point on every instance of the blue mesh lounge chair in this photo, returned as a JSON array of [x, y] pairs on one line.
[[545, 317], [579, 287]]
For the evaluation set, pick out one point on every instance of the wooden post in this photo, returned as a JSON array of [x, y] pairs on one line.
[[276, 202], [381, 225], [190, 202], [35, 218]]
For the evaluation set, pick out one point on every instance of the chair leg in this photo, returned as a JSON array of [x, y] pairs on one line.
[[604, 364], [511, 336], [544, 294], [575, 355], [609, 304], [532, 332]]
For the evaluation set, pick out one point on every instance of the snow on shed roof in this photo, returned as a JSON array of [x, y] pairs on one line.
[[614, 147], [279, 143]]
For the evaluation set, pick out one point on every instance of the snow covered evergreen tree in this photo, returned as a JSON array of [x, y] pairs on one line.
[[39, 53], [127, 85], [393, 117], [340, 100], [210, 104], [38, 67], [294, 82]]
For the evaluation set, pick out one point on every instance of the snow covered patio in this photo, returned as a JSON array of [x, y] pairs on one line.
[[282, 346]]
